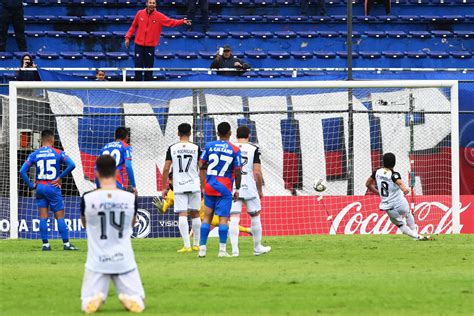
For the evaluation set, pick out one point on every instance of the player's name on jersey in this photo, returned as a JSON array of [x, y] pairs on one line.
[[221, 149], [113, 144], [185, 151], [184, 182], [384, 177], [45, 155], [112, 205]]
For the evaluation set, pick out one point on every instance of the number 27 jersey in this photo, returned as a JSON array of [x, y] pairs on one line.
[[222, 159]]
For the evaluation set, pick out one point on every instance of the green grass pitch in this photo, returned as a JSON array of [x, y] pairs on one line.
[[306, 275]]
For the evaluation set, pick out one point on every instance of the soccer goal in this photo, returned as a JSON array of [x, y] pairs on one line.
[[306, 130]]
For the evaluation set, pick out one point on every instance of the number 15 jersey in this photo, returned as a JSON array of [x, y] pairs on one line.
[[390, 194], [184, 158], [222, 159]]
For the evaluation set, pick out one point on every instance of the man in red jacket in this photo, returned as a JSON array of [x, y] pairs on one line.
[[148, 24]]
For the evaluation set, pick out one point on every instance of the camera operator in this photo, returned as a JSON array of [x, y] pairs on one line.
[[225, 59], [28, 70]]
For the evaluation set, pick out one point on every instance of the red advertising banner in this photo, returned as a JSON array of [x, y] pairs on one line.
[[301, 215]]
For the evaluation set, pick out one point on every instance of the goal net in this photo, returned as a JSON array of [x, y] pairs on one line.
[[335, 131]]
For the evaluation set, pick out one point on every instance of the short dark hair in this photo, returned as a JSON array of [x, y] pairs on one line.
[[105, 166], [243, 132], [47, 134], [121, 133], [389, 160], [223, 129], [184, 129]]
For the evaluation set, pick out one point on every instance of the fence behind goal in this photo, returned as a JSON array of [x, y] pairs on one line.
[[337, 131]]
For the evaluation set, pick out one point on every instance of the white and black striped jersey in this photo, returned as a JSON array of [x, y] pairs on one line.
[[250, 156], [184, 157], [109, 214], [391, 196]]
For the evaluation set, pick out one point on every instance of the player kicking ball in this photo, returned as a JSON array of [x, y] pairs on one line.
[[47, 161], [391, 189], [220, 163], [183, 157], [108, 214], [250, 194]]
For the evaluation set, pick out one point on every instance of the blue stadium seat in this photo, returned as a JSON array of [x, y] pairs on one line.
[[334, 2], [307, 34], [262, 34], [121, 34], [250, 74], [438, 54], [325, 55], [115, 18], [263, 2], [174, 2], [285, 34], [207, 54], [339, 18], [343, 54], [320, 18], [396, 34], [218, 2], [464, 34], [48, 55], [81, 2], [34, 33], [126, 2], [177, 75], [117, 55], [375, 34], [301, 54], [46, 18], [355, 34], [239, 35], [171, 34], [92, 18], [55, 33], [101, 34], [5, 55], [275, 18], [299, 18], [365, 18], [393, 54], [419, 1], [19, 55], [240, 2], [194, 35], [214, 18], [388, 18], [68, 19], [370, 55], [409, 18], [164, 55], [269, 74], [285, 2], [217, 35], [252, 18], [279, 54], [431, 18], [328, 34], [415, 54], [94, 55], [29, 18], [238, 54], [71, 55], [230, 18], [255, 54], [470, 17], [460, 54], [453, 18], [420, 34], [78, 34], [187, 55], [443, 34]]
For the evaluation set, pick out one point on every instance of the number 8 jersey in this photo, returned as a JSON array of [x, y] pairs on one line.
[[390, 194]]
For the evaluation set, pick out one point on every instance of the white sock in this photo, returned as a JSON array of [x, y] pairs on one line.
[[256, 230], [67, 244], [407, 231], [234, 233], [196, 222], [222, 247], [411, 222], [184, 230], [46, 244]]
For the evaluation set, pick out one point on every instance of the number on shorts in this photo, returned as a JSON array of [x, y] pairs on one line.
[[118, 226], [384, 189]]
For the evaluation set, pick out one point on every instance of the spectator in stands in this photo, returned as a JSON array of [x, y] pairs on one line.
[[28, 70], [100, 75], [225, 59], [304, 4], [148, 23], [368, 6], [12, 11], [204, 7]]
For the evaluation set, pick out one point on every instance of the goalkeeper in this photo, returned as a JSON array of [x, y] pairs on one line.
[[163, 205]]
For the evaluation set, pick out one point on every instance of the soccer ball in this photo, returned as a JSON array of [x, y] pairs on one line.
[[319, 185]]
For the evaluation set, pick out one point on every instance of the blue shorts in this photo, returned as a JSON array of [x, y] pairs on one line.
[[220, 204], [47, 195]]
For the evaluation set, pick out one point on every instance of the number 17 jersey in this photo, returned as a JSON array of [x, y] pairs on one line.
[[222, 158], [184, 158]]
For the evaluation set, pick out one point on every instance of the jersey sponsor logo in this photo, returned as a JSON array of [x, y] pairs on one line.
[[143, 225]]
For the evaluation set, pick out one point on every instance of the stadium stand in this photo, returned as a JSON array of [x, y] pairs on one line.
[[269, 33]]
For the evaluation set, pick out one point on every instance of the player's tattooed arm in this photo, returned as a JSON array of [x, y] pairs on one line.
[[370, 184], [402, 186]]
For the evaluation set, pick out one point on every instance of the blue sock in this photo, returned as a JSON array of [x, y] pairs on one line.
[[44, 230], [205, 229], [63, 230], [223, 232]]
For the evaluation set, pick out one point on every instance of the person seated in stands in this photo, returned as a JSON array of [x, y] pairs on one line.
[[28, 70], [304, 7], [225, 59], [100, 75], [368, 6]]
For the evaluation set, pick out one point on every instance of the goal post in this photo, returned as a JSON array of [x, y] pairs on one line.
[[301, 127]]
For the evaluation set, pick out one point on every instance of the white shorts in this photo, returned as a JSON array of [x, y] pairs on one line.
[[253, 206], [398, 214], [127, 283], [184, 202]]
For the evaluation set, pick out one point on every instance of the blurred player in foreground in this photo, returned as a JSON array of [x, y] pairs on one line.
[[220, 163], [250, 194], [121, 151], [47, 161], [184, 156], [391, 189], [108, 214]]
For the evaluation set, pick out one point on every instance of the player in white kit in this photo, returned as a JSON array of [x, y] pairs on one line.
[[183, 157], [250, 194], [391, 190], [109, 214]]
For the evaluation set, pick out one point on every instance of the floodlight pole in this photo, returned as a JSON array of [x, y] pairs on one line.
[[350, 105]]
